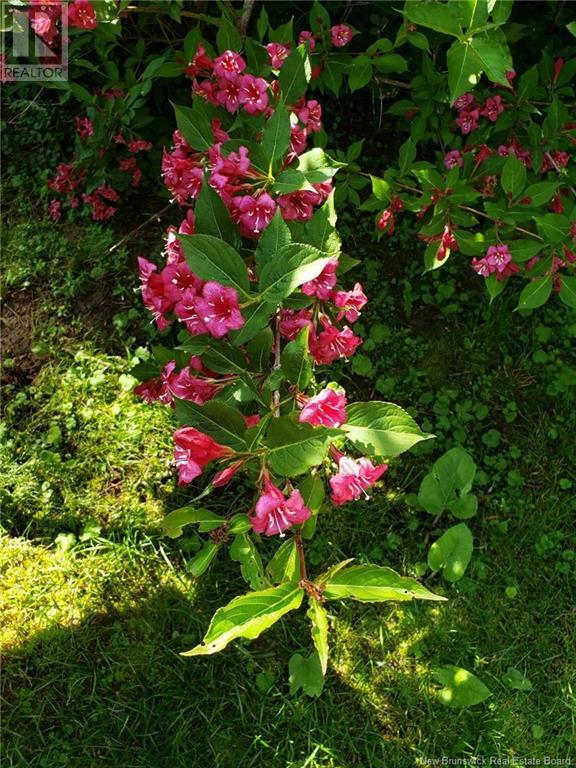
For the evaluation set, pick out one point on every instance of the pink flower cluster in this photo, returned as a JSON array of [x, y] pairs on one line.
[[45, 17], [353, 478], [223, 82], [386, 221], [69, 176], [204, 307], [193, 382], [497, 261], [469, 111], [327, 342]]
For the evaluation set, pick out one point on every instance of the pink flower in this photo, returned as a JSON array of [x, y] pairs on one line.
[[253, 94], [218, 309], [84, 127], [310, 115], [81, 14], [182, 175], [498, 256], [139, 145], [322, 286], [228, 94], [307, 37], [298, 206], [220, 135], [481, 267], [186, 311], [277, 53], [186, 386], [353, 478], [201, 63], [340, 34], [251, 421], [275, 513], [493, 108], [386, 221], [254, 213], [350, 302], [332, 343], [54, 209], [193, 451], [157, 390], [467, 121], [292, 321], [326, 409], [225, 475], [453, 158], [464, 102], [229, 65]]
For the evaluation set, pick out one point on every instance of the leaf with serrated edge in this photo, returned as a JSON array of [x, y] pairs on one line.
[[374, 584], [382, 429], [174, 521], [319, 619], [248, 616]]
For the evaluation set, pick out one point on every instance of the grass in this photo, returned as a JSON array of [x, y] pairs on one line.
[[97, 605]]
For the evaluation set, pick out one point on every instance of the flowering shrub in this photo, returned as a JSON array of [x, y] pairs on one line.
[[498, 182], [257, 281]]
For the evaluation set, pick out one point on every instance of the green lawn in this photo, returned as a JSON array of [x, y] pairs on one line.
[[96, 604]]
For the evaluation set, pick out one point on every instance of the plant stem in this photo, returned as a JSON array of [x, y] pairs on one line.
[[139, 227], [276, 366], [301, 556]]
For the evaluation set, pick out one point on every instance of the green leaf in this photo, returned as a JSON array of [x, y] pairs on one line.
[[291, 180], [436, 16], [259, 350], [306, 673], [536, 293], [452, 472], [294, 448], [568, 290], [194, 124], [319, 18], [320, 230], [284, 566], [473, 13], [276, 137], [522, 250], [461, 688], [220, 357], [451, 553], [571, 27], [244, 552], [374, 584], [222, 422], [381, 189], [319, 618], [494, 56], [513, 176], [313, 493], [256, 317], [295, 75], [516, 680], [541, 193], [390, 62], [228, 37], [464, 69], [553, 227], [174, 521], [275, 236], [248, 616], [212, 216], [464, 507], [292, 266], [212, 259], [501, 10], [203, 559], [406, 156], [382, 429], [360, 72], [296, 360], [317, 166]]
